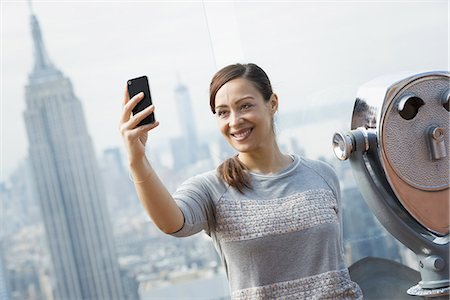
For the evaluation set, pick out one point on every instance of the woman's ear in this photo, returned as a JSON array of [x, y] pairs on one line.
[[273, 102]]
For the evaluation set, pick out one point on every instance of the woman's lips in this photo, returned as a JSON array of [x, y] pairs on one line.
[[241, 134]]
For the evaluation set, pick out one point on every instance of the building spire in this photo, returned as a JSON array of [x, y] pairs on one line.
[[179, 78], [30, 7], [41, 60], [180, 86]]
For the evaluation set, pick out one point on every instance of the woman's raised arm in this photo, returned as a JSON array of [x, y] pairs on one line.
[[152, 193]]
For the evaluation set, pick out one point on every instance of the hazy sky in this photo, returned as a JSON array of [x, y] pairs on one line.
[[315, 52]]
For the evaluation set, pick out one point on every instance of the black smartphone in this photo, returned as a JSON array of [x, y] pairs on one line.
[[135, 86]]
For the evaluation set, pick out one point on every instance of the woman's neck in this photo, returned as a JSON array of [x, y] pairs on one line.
[[265, 161]]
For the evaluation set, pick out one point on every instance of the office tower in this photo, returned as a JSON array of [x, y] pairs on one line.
[[120, 192], [187, 122], [68, 184], [182, 155], [113, 158]]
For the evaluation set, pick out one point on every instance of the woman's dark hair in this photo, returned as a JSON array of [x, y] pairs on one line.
[[232, 170]]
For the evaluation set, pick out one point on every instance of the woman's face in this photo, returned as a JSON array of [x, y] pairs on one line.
[[244, 118]]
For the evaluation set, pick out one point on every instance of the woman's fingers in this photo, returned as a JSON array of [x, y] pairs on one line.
[[133, 122], [137, 118], [129, 105], [151, 126], [134, 134]]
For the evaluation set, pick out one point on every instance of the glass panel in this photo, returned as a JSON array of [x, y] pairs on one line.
[[316, 55]]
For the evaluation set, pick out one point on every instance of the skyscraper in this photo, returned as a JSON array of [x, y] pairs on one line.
[[68, 184], [187, 123]]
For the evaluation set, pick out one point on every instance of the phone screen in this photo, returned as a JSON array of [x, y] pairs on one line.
[[135, 86]]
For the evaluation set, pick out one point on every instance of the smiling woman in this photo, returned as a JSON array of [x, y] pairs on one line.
[[242, 98], [274, 218]]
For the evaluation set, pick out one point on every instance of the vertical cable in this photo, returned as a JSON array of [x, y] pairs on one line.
[[209, 35]]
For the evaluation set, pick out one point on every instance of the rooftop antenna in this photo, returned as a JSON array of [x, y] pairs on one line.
[[180, 85], [30, 7]]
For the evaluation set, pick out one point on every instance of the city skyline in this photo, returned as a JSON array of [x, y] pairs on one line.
[[99, 65]]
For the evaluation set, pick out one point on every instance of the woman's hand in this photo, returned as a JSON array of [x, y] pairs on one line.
[[135, 137]]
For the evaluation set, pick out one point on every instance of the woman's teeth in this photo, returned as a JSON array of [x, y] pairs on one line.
[[242, 135]]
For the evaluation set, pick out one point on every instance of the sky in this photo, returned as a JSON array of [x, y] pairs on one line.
[[315, 52]]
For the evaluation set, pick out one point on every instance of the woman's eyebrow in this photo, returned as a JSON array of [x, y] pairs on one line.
[[244, 98], [236, 102]]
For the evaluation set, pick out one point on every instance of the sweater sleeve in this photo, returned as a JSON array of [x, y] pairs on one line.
[[194, 200]]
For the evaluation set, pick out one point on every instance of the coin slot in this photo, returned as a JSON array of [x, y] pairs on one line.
[[408, 106]]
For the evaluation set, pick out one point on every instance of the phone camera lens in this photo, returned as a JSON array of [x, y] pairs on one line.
[[129, 82]]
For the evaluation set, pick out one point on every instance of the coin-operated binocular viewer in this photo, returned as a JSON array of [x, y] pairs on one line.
[[399, 151]]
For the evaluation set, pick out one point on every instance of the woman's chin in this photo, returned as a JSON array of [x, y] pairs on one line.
[[242, 148]]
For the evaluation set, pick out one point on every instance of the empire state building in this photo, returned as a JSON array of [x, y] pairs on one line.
[[68, 183]]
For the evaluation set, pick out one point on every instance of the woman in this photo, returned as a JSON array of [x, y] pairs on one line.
[[273, 217]]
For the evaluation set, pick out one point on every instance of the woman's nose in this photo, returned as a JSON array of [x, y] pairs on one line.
[[235, 119]]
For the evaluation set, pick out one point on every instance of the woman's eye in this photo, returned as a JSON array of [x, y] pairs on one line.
[[246, 106], [221, 113]]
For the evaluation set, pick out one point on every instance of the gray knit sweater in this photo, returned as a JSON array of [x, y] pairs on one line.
[[280, 240]]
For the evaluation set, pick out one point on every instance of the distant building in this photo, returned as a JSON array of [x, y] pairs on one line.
[[180, 152], [113, 158], [188, 140], [130, 286], [220, 150], [24, 283], [119, 189], [363, 235], [20, 205], [68, 185]]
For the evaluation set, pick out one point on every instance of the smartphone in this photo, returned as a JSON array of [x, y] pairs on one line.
[[135, 86]]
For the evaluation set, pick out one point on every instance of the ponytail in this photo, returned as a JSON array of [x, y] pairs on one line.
[[232, 171]]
